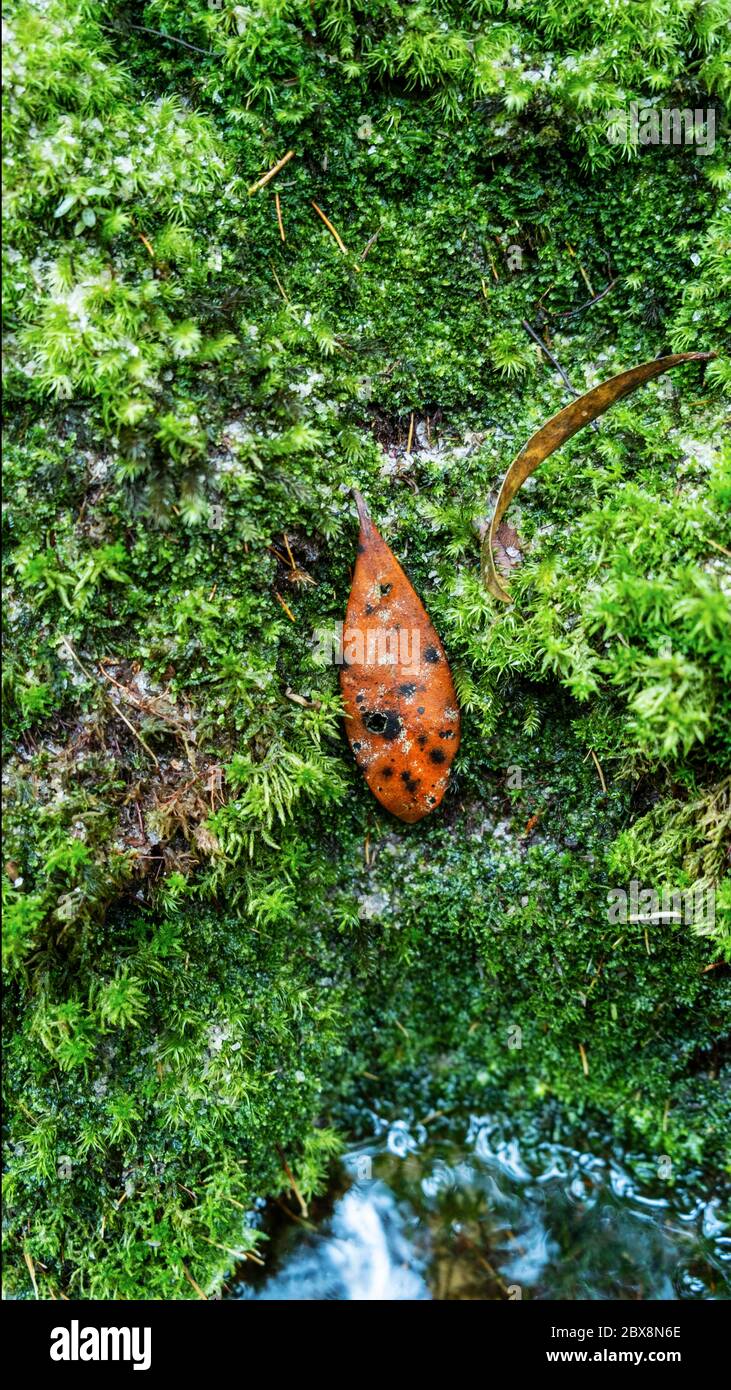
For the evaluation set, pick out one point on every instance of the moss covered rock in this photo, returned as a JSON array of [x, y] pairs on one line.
[[220, 951]]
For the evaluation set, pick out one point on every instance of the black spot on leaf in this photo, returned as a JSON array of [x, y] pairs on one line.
[[384, 722], [411, 783]]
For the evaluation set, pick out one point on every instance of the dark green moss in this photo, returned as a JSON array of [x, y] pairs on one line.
[[220, 952]]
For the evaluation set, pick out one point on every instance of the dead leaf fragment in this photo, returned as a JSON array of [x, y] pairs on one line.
[[555, 433]]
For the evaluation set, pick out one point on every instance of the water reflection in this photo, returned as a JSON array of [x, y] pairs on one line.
[[488, 1217]]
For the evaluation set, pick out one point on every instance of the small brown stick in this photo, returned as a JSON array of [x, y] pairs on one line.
[[170, 38], [281, 288], [584, 275], [333, 231], [586, 279], [125, 691], [716, 546], [369, 243], [289, 551], [278, 206], [110, 702], [584, 1059], [293, 1215], [31, 1271], [147, 244], [598, 768], [238, 1254], [285, 606], [295, 1189], [265, 178], [411, 434], [191, 1281], [147, 706], [554, 363], [571, 313]]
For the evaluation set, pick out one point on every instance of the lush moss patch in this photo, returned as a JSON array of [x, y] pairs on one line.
[[219, 952]]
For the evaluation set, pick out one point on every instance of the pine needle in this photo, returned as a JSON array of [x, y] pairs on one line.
[[599, 770], [285, 606], [278, 206], [333, 231], [584, 1059], [293, 1184], [289, 550], [281, 288], [265, 178], [32, 1272], [193, 1284]]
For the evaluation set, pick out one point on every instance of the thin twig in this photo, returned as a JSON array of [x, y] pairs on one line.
[[584, 275], [171, 38], [265, 178], [110, 701], [599, 770], [370, 242], [289, 550], [31, 1271], [281, 288], [238, 1254], [716, 546], [285, 606], [191, 1281], [571, 313], [293, 1215], [295, 1189], [554, 363], [278, 206], [332, 230]]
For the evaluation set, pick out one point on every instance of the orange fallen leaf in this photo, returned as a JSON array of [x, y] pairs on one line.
[[402, 716]]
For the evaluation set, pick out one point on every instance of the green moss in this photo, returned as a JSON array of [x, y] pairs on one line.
[[220, 954]]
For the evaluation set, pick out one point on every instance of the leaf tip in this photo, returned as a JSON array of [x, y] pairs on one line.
[[364, 515]]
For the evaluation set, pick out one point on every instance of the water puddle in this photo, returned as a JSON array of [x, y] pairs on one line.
[[478, 1214]]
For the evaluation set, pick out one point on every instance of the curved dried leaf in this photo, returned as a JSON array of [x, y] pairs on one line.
[[556, 431]]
